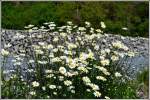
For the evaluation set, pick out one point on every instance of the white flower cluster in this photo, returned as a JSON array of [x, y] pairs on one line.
[[70, 56], [4, 52]]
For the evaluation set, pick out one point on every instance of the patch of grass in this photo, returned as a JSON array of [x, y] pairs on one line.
[[143, 83]]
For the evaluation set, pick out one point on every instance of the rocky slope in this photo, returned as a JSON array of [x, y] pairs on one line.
[[138, 44]]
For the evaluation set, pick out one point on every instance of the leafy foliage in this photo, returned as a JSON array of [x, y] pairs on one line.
[[133, 15]]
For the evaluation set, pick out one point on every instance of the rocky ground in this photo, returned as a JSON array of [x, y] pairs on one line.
[[137, 44]]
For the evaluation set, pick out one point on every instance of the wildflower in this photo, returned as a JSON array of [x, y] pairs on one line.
[[131, 54], [105, 62], [22, 51], [52, 86], [124, 28], [101, 78], [31, 61], [97, 94], [71, 46], [83, 69], [96, 47], [44, 88], [61, 78], [88, 90], [7, 45], [99, 35], [62, 70], [19, 58], [55, 39], [114, 58], [35, 28], [102, 69], [73, 91], [17, 63], [48, 96], [46, 23], [91, 30], [36, 47], [56, 59], [107, 50], [51, 55], [30, 70], [102, 52], [67, 83], [50, 46], [59, 87], [93, 86], [41, 43], [48, 71], [102, 57], [69, 23], [83, 56], [103, 25], [19, 36], [125, 48], [4, 52], [42, 27], [63, 34], [22, 54], [32, 93], [51, 25], [55, 93], [72, 65], [63, 57], [42, 62], [106, 97], [6, 72], [118, 44], [50, 75], [82, 28], [68, 52], [71, 87], [98, 30], [35, 84], [75, 26], [117, 74], [86, 79], [39, 36], [69, 74], [30, 26], [91, 55], [92, 36], [55, 50], [39, 52], [121, 55], [88, 24], [106, 73]]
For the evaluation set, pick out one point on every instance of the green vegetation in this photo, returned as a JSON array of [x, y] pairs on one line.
[[143, 80], [133, 15]]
